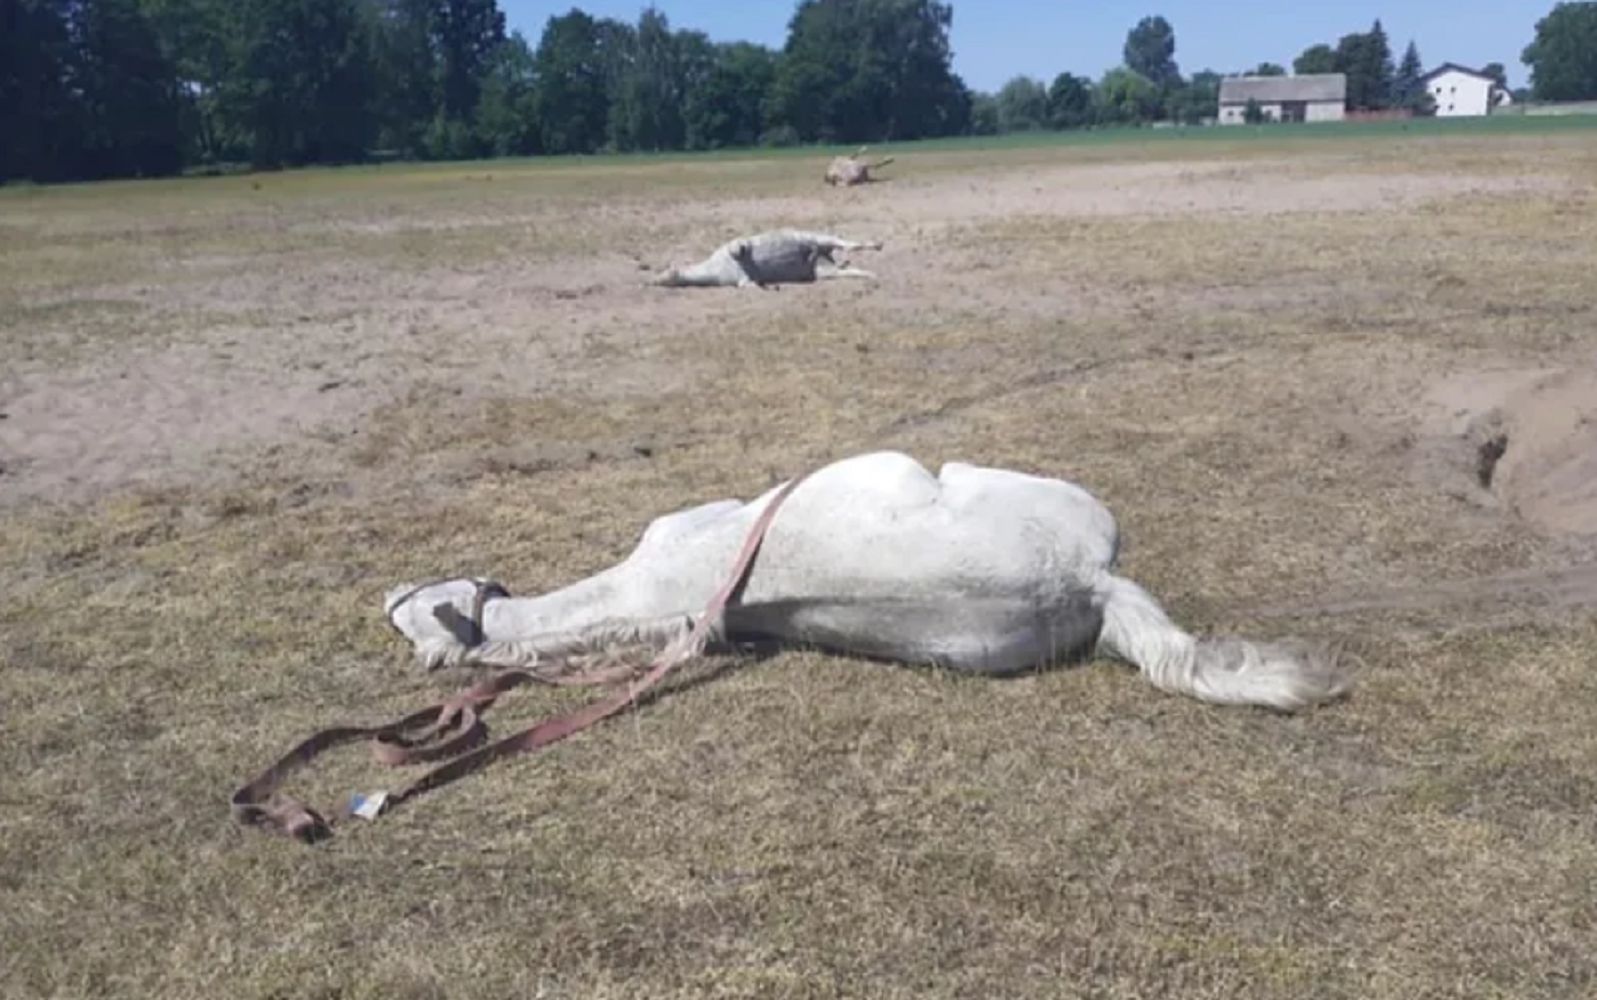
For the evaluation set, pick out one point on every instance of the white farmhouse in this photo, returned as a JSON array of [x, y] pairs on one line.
[[1313, 97], [1460, 91]]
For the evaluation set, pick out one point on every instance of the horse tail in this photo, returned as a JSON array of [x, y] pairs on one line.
[[1286, 675]]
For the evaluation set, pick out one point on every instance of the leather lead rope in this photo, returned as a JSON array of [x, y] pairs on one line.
[[448, 729]]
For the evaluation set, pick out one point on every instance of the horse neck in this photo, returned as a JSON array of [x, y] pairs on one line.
[[606, 596], [616, 608], [713, 271]]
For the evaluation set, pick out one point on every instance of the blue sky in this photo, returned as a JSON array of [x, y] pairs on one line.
[[995, 39]]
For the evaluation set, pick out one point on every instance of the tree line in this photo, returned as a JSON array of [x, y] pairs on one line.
[[115, 88], [107, 88]]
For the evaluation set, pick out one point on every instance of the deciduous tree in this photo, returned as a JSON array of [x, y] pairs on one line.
[[1022, 105], [1150, 52], [1315, 59], [1125, 97], [1070, 102], [727, 108], [1563, 56], [506, 119], [571, 103], [866, 70], [300, 82]]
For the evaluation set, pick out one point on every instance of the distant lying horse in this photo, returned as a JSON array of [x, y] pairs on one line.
[[980, 570], [848, 171], [783, 256]]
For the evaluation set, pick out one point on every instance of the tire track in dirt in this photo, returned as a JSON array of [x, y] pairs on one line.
[[1572, 587]]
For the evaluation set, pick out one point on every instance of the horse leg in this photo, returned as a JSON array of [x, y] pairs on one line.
[[845, 271], [835, 243]]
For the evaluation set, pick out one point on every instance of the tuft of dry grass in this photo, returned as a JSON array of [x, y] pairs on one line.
[[1240, 386]]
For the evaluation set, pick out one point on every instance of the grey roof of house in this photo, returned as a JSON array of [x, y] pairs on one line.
[[1275, 89]]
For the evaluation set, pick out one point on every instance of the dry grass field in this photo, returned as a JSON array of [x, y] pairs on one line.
[[1341, 389]]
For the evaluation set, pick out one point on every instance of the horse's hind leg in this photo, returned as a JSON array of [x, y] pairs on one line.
[[845, 271], [838, 243], [828, 244]]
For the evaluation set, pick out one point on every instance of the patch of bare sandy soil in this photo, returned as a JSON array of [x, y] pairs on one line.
[[1528, 439], [302, 347], [1260, 187], [302, 374], [1162, 189], [1519, 446]]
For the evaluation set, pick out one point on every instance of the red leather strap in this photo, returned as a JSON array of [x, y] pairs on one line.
[[449, 729]]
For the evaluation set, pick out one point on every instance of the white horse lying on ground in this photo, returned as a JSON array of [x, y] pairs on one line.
[[977, 569], [782, 256]]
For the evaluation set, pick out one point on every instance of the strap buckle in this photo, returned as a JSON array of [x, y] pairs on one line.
[[367, 807]]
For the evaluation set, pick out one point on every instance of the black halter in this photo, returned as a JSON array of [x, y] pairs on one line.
[[467, 631]]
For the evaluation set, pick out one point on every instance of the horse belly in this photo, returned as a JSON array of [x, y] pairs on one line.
[[972, 634], [788, 262]]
